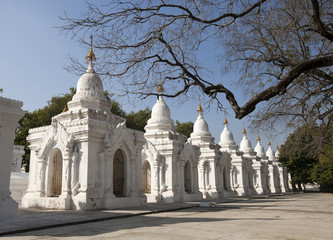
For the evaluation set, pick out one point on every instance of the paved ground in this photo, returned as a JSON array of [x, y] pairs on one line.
[[296, 216]]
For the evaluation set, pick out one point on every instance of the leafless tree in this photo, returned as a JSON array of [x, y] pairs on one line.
[[282, 50]]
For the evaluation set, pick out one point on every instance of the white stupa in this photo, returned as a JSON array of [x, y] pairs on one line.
[[270, 153], [160, 116], [259, 149], [245, 145], [227, 142], [201, 132]]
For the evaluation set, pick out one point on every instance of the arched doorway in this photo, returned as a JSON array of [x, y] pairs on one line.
[[146, 177], [187, 177], [118, 174], [56, 174], [224, 179]]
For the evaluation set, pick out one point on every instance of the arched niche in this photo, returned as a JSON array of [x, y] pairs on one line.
[[188, 177], [146, 177], [119, 174], [54, 185], [224, 178]]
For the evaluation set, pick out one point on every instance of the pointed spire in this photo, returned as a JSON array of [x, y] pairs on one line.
[[244, 131], [199, 107], [91, 55], [225, 121], [160, 88]]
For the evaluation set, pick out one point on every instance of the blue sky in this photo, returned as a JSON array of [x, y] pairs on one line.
[[34, 54]]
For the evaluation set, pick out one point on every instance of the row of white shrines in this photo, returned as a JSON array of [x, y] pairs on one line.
[[87, 159]]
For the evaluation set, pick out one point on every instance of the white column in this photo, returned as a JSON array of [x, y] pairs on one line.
[[271, 178], [10, 113], [258, 178], [283, 189], [237, 165]]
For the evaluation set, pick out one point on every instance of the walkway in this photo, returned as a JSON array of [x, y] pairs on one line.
[[295, 216]]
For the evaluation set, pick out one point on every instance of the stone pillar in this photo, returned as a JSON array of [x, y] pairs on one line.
[[258, 178], [285, 179], [281, 177], [40, 182], [155, 181], [265, 176], [238, 181], [133, 187], [202, 180], [10, 113], [195, 178], [271, 178]]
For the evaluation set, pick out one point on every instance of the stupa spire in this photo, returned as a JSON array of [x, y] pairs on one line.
[[91, 55], [199, 107], [244, 131], [225, 120], [160, 88]]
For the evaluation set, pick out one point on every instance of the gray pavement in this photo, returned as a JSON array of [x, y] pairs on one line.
[[291, 216]]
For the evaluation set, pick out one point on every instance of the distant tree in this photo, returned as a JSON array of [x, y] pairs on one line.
[[322, 172], [138, 120], [185, 128], [116, 109], [307, 154]]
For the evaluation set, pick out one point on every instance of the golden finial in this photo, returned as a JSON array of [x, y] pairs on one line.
[[244, 131], [160, 88], [258, 138], [277, 147], [199, 107], [225, 120], [269, 142], [91, 55], [65, 108]]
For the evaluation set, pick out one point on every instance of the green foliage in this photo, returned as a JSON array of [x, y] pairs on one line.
[[322, 172], [116, 109], [308, 154], [138, 120], [185, 128]]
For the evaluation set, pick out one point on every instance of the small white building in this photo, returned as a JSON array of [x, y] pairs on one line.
[[234, 165], [170, 162], [251, 160], [210, 167], [262, 173], [274, 178], [87, 158]]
